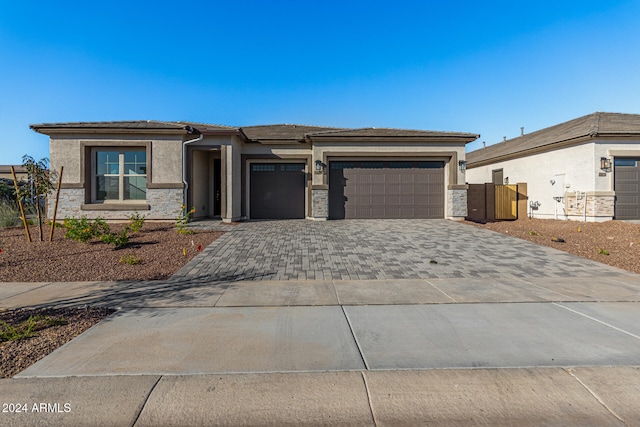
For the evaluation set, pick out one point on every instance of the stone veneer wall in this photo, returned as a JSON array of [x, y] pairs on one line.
[[68, 205], [165, 204], [600, 207], [456, 204], [320, 203]]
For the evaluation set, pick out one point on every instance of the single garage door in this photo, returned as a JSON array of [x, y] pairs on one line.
[[277, 190], [627, 188], [386, 189]]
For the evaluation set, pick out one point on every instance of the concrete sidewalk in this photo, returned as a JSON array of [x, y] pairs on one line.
[[340, 352], [590, 396]]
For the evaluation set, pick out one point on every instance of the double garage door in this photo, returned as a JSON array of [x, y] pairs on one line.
[[357, 189], [386, 189]]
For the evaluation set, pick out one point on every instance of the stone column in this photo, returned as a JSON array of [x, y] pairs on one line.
[[320, 202]]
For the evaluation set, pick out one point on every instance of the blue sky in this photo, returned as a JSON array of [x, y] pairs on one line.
[[482, 67]]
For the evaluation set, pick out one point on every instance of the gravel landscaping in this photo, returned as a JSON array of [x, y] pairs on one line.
[[58, 326], [153, 253], [161, 251], [614, 243]]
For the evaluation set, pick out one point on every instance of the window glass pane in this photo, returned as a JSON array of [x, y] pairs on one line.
[[400, 165], [135, 162], [292, 168], [430, 165], [107, 187], [371, 165], [108, 162], [135, 187], [342, 165], [625, 162], [263, 168]]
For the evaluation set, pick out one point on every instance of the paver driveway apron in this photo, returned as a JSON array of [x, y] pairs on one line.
[[378, 249]]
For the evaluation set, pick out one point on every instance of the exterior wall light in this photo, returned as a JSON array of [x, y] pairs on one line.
[[320, 167], [462, 164], [605, 164]]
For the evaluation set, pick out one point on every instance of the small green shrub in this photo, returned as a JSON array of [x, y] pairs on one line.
[[9, 214], [182, 222], [83, 230], [27, 328], [130, 259], [137, 221], [603, 252], [119, 240]]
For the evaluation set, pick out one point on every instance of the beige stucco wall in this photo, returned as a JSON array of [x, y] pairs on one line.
[[612, 148], [164, 169], [165, 165], [166, 154], [450, 153], [323, 151]]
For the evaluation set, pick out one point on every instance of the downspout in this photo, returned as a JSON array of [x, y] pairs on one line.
[[184, 164]]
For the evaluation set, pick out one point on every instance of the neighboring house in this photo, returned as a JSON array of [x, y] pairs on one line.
[[5, 172], [112, 169], [584, 169]]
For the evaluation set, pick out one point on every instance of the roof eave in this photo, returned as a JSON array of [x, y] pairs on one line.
[[528, 152], [53, 130], [396, 139]]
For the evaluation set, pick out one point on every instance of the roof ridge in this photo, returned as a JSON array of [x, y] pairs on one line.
[[334, 130], [596, 125], [205, 124], [290, 124]]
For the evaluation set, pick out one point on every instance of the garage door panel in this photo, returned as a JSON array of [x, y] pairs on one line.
[[627, 188], [393, 200], [408, 189], [378, 189], [277, 191]]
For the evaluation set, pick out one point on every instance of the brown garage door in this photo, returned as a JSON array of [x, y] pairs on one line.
[[386, 189], [277, 191], [627, 188]]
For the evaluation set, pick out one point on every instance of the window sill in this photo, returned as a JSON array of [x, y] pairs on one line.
[[115, 207]]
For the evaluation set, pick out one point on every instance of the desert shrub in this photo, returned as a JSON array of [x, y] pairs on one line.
[[7, 190], [83, 230], [28, 327], [182, 222], [137, 221], [130, 259], [9, 214], [119, 240]]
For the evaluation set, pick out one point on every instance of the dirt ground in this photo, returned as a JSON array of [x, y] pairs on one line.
[[158, 249], [615, 243], [161, 251]]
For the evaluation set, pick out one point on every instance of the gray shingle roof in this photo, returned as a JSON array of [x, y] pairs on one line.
[[592, 125], [392, 133], [265, 133], [130, 124], [282, 132]]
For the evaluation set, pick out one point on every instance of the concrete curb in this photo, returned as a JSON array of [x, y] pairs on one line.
[[544, 396]]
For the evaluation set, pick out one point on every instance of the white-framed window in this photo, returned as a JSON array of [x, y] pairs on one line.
[[119, 174]]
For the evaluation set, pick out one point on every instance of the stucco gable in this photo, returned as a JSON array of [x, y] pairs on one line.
[[582, 128]]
